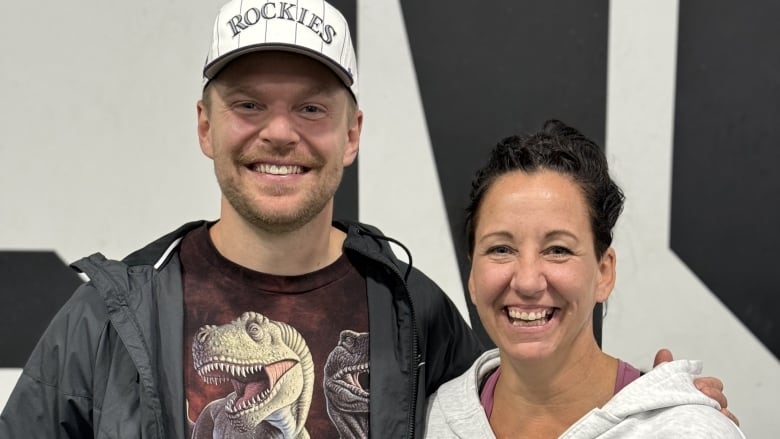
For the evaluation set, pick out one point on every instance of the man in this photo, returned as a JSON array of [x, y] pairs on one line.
[[267, 322]]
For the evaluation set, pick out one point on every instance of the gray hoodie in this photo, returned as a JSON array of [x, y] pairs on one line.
[[663, 403]]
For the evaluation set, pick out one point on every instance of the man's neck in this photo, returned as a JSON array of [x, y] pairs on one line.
[[304, 250]]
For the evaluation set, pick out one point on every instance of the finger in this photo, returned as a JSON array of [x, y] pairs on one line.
[[730, 415], [702, 382], [663, 355], [716, 394]]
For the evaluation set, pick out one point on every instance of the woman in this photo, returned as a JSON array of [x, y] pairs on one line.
[[539, 230]]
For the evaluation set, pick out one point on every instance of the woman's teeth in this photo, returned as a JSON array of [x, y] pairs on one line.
[[533, 318]]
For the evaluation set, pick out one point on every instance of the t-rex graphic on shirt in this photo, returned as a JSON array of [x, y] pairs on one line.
[[271, 369], [346, 373]]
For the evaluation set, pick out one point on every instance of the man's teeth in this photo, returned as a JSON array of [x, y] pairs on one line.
[[278, 169]]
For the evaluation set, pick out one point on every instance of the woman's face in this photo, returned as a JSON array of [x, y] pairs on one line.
[[535, 277]]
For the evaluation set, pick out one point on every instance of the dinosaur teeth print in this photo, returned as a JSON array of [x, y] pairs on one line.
[[222, 364], [346, 384], [233, 408], [271, 370]]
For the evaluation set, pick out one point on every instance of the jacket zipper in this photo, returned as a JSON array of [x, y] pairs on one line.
[[414, 359], [414, 364]]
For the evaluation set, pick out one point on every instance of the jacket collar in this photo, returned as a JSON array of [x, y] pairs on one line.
[[364, 239]]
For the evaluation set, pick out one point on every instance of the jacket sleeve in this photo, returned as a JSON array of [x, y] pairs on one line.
[[448, 342], [53, 397]]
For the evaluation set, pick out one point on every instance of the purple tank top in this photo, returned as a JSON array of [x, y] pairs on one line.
[[625, 374]]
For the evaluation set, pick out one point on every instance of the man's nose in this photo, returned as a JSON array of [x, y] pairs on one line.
[[279, 131]]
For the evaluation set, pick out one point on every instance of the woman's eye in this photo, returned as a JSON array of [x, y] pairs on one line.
[[557, 250], [499, 250]]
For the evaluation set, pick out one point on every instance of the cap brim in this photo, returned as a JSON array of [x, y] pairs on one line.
[[213, 68]]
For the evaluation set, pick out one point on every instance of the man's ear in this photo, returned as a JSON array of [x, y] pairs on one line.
[[353, 138], [607, 275], [204, 130]]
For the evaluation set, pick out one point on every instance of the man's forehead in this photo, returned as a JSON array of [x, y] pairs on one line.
[[256, 70]]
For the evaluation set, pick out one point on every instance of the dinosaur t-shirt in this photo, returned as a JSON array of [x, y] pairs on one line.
[[270, 356]]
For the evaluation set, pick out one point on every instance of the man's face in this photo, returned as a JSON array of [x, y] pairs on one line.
[[280, 128]]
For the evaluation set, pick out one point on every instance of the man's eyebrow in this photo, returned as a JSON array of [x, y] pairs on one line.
[[246, 89], [315, 90], [238, 89]]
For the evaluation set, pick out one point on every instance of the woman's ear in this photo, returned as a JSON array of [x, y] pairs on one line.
[[607, 275]]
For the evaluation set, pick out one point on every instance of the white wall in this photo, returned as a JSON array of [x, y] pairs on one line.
[[658, 302], [98, 149], [98, 146], [98, 152], [396, 147]]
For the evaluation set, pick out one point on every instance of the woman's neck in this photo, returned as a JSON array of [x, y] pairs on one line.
[[542, 398]]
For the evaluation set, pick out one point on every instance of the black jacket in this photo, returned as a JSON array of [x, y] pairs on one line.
[[110, 363]]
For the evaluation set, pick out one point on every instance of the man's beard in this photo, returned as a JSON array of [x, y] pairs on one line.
[[272, 221]]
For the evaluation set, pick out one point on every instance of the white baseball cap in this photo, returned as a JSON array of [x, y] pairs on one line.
[[308, 27]]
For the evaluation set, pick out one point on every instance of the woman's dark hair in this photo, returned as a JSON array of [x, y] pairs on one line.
[[562, 149]]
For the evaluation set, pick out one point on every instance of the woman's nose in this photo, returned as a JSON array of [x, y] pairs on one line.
[[528, 278]]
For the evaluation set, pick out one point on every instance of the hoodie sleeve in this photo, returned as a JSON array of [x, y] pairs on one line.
[[662, 403]]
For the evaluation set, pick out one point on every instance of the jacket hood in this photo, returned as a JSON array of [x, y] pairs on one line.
[[665, 387], [367, 240], [363, 239], [370, 242], [159, 251], [662, 401]]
